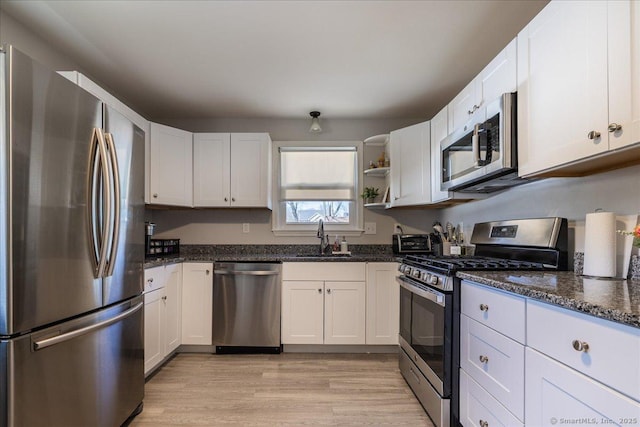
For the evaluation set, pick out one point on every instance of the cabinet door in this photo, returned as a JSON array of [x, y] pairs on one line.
[[562, 85], [383, 303], [411, 165], [171, 180], [555, 392], [463, 107], [302, 312], [211, 169], [498, 77], [624, 72], [250, 170], [153, 329], [344, 313], [439, 131], [197, 303], [172, 300]]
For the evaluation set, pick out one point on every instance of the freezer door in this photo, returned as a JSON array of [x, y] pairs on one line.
[[46, 267], [86, 372], [126, 253]]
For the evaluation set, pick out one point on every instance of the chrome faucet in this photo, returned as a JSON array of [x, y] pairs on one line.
[[324, 240]]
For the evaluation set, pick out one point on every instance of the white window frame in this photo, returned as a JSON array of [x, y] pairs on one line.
[[356, 215]]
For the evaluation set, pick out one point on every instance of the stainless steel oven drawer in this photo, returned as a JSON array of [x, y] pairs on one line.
[[436, 407]]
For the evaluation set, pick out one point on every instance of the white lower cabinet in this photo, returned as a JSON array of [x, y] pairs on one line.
[[197, 303], [557, 394], [162, 317], [383, 303], [491, 325], [318, 312], [573, 368], [323, 303]]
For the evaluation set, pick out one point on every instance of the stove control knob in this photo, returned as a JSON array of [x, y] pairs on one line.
[[416, 273], [401, 268], [407, 270], [433, 280], [424, 275]]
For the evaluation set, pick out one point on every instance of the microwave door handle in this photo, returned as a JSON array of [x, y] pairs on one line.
[[475, 145]]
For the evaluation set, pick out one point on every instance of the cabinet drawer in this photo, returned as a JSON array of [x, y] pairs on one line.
[[495, 362], [336, 271], [477, 406], [154, 278], [498, 310], [613, 349]]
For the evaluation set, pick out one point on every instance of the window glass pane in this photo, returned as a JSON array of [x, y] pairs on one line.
[[308, 212]]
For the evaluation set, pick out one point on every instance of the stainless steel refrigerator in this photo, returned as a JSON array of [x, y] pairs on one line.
[[71, 253]]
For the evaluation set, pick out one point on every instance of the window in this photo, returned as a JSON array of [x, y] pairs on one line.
[[317, 181]]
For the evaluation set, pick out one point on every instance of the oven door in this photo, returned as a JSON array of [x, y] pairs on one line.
[[426, 331], [477, 151]]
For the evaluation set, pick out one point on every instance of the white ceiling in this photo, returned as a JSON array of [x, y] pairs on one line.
[[279, 59]]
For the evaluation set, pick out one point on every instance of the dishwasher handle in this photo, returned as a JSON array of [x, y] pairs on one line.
[[246, 273]]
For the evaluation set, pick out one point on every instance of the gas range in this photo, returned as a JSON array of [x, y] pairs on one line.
[[430, 302], [438, 271]]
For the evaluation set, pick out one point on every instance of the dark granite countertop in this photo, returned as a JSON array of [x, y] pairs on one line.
[[270, 258], [616, 300], [273, 253]]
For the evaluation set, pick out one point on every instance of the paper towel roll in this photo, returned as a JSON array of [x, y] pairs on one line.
[[600, 245]]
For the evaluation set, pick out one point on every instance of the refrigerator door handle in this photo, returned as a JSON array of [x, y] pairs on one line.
[[115, 222], [98, 204], [48, 342]]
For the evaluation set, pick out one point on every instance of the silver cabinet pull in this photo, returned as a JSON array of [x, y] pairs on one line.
[[233, 199], [328, 291], [484, 423], [319, 290], [484, 307], [614, 127], [164, 298], [483, 359], [226, 199], [580, 345], [150, 280], [155, 195], [594, 134], [206, 272]]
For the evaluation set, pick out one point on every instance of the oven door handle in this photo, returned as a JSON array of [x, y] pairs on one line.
[[431, 295]]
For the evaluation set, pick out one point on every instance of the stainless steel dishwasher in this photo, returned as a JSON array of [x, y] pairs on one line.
[[246, 307]]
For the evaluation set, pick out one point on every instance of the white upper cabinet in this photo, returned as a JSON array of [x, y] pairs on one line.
[[410, 151], [439, 131], [170, 179], [578, 72], [211, 169], [498, 77], [251, 170], [232, 170]]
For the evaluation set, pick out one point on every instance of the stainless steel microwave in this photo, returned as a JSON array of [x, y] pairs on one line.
[[482, 157]]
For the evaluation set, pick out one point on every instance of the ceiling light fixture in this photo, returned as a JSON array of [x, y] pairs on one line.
[[315, 122]]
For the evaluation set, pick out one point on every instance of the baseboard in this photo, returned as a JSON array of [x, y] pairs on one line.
[[325, 348]]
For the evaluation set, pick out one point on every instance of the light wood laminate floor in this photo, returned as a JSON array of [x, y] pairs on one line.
[[280, 390]]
